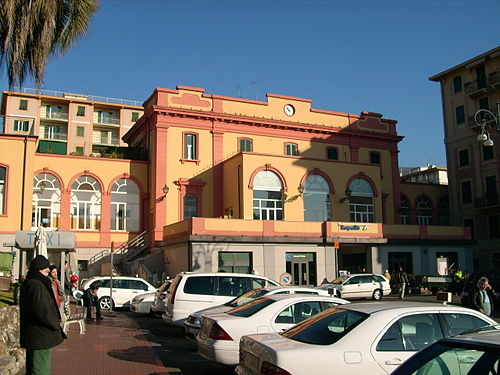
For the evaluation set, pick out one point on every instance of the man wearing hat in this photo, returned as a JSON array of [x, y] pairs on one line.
[[40, 318]]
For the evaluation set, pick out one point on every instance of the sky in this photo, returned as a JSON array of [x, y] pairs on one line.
[[346, 56]]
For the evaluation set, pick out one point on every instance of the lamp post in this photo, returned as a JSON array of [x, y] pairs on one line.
[[483, 119]]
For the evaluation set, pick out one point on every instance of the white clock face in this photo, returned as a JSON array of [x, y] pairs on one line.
[[289, 110]]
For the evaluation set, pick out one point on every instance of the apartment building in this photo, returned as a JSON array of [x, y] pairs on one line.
[[70, 124], [473, 165], [233, 184]]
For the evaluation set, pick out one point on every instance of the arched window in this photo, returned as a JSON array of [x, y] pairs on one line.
[[361, 207], [423, 211], [267, 196], [3, 176], [46, 201], [316, 199], [86, 204], [444, 212], [125, 205], [405, 210]]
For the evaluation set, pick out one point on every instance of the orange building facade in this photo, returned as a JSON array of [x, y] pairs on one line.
[[241, 185]]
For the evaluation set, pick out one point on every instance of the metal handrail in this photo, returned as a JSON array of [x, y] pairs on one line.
[[62, 94]]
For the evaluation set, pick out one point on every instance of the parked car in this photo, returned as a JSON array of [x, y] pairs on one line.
[[158, 306], [191, 292], [360, 286], [221, 333], [124, 290], [192, 324], [468, 354], [363, 338], [142, 303], [494, 281]]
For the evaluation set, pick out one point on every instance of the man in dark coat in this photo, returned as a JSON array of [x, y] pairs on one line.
[[40, 319], [90, 299], [482, 296]]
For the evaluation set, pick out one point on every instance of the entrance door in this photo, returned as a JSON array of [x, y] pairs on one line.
[[300, 272], [302, 266]]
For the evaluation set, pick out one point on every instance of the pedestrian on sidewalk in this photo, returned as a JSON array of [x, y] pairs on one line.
[[58, 291], [90, 299], [401, 282], [481, 297], [39, 318]]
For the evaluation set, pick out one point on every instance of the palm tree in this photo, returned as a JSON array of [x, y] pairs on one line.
[[32, 30]]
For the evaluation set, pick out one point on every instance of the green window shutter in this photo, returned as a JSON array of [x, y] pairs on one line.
[[23, 104]]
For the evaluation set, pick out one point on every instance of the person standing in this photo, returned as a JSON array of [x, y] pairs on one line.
[[39, 318], [482, 296], [58, 292], [458, 281], [402, 281]]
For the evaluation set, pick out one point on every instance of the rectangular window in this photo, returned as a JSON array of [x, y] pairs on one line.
[[494, 226], [457, 84], [484, 103], [470, 223], [21, 125], [190, 206], [80, 131], [291, 149], [245, 145], [80, 111], [79, 150], [238, 262], [83, 265], [104, 137], [135, 116], [23, 105], [190, 152], [463, 158], [3, 175], [375, 157], [487, 152], [460, 114], [52, 132], [332, 153], [466, 192]]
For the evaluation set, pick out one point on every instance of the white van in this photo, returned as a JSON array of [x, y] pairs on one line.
[[191, 292]]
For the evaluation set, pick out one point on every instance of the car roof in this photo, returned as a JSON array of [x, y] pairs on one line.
[[292, 287], [222, 274], [375, 307], [483, 336], [279, 297], [363, 274]]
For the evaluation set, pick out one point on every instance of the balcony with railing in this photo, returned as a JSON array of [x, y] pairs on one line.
[[487, 201], [106, 118], [480, 86], [53, 112]]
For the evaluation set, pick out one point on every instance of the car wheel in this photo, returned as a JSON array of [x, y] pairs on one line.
[[377, 295], [105, 303]]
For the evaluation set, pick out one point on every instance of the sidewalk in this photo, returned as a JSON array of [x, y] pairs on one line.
[[113, 346]]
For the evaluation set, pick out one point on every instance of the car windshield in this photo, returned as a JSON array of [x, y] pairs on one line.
[[251, 307], [246, 297], [340, 279], [325, 328]]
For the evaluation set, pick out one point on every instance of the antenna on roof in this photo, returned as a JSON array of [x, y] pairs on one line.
[[254, 84], [238, 90]]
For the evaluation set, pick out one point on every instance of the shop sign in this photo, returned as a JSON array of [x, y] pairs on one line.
[[55, 240], [354, 227]]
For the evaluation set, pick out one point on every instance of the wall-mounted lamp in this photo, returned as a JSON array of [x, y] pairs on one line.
[[300, 189], [165, 189], [42, 186], [347, 197]]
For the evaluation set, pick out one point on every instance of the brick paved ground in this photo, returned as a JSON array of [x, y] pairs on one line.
[[114, 346]]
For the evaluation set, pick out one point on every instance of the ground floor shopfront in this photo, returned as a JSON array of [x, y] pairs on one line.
[[311, 252]]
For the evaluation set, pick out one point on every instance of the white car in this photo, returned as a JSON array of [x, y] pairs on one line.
[[363, 338], [124, 290], [158, 306], [360, 285], [190, 292], [192, 324], [142, 303], [220, 333]]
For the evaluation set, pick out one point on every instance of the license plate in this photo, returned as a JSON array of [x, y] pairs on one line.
[[250, 361]]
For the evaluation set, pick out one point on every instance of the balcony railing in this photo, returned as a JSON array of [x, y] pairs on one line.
[[494, 78], [107, 120], [55, 115], [474, 86], [487, 201]]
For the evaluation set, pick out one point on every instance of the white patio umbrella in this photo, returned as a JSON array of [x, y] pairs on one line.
[[41, 241]]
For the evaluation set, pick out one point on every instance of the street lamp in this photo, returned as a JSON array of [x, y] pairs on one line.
[[483, 119]]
